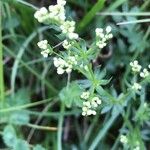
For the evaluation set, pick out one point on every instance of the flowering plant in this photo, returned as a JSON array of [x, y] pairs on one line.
[[93, 81], [76, 55]]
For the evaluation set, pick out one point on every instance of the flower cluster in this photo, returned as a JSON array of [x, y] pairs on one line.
[[41, 15], [56, 12], [144, 73], [85, 95], [102, 36], [68, 28], [135, 66], [123, 139], [66, 44], [89, 105], [64, 65], [136, 86], [44, 46]]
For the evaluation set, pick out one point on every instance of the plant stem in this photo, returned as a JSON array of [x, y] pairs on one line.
[[41, 127], [60, 129], [15, 108], [103, 131], [2, 91]]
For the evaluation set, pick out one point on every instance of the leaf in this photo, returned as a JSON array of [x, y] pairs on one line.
[[20, 98], [38, 147], [106, 109], [71, 94], [84, 83], [83, 45], [11, 23], [19, 118], [104, 82], [9, 136], [21, 145]]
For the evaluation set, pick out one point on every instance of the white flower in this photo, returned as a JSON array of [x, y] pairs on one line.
[[98, 31], [43, 44], [103, 37], [123, 139], [86, 67], [66, 44], [68, 70], [59, 62], [68, 27], [110, 36], [72, 60], [97, 100], [137, 148], [94, 112], [60, 70], [108, 29], [136, 86], [64, 65], [85, 95], [43, 11], [94, 104], [149, 66], [84, 108], [40, 14], [135, 66], [145, 73], [145, 104], [61, 2], [87, 104], [101, 44], [73, 36], [83, 113], [89, 112], [45, 53], [57, 12]]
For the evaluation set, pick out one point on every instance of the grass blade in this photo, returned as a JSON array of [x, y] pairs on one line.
[[2, 90], [133, 22], [90, 15], [124, 13], [20, 54], [103, 131]]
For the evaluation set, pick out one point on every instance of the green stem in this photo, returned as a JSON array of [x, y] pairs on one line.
[[2, 91], [15, 108], [41, 127], [103, 131], [60, 129]]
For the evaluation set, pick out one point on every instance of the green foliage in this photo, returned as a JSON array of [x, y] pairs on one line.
[[38, 147], [9, 135], [19, 118], [71, 95], [36, 96], [21, 144]]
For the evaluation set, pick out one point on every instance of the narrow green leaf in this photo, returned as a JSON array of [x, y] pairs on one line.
[[90, 15]]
